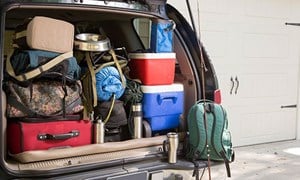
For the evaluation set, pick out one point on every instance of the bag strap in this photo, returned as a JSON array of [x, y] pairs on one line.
[[37, 71], [93, 78], [113, 54], [122, 63], [110, 109], [211, 109], [21, 34]]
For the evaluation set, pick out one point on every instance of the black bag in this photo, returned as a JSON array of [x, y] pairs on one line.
[[112, 113]]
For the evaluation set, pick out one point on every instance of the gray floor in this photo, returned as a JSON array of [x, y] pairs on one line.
[[271, 161], [274, 161]]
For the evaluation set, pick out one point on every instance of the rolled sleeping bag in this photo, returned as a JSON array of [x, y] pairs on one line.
[[108, 82]]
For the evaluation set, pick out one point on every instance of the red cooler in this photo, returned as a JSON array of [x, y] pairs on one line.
[[153, 68]]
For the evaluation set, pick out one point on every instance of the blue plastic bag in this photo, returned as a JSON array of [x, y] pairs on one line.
[[162, 36]]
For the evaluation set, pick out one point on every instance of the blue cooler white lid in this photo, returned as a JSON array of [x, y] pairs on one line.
[[176, 87], [143, 56]]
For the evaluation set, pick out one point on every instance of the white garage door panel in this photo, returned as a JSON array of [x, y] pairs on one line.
[[216, 6], [260, 86], [211, 38], [267, 8], [267, 126], [265, 45], [255, 47]]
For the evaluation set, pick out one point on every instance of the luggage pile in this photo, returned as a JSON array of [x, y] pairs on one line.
[[44, 93], [56, 99], [162, 102]]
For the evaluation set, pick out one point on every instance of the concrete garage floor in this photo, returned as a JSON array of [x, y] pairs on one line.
[[271, 161]]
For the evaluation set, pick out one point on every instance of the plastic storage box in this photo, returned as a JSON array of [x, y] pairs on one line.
[[162, 106], [153, 68]]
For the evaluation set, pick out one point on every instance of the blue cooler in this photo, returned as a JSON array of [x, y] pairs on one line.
[[162, 106]]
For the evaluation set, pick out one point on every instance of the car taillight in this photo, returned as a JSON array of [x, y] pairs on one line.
[[217, 96]]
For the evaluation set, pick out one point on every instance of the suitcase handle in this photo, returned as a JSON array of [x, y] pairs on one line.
[[69, 135]]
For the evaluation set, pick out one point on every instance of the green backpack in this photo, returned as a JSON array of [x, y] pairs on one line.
[[217, 136]]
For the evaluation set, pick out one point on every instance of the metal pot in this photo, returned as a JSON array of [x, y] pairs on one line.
[[91, 42]]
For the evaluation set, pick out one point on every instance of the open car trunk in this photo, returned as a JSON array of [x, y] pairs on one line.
[[124, 29]]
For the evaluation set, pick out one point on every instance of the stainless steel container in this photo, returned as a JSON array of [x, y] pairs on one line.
[[98, 132], [137, 120], [171, 145], [91, 42]]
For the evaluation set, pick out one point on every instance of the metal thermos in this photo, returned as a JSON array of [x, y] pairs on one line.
[[137, 120], [172, 144], [98, 132]]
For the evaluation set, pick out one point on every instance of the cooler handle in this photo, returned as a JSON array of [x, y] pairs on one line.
[[167, 96], [69, 135]]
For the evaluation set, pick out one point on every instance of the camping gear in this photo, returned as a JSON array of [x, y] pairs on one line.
[[43, 33], [152, 68], [170, 146], [162, 36], [132, 99], [162, 106], [91, 42], [104, 77], [108, 82], [213, 133], [28, 64], [111, 112], [137, 115], [43, 99], [27, 135], [98, 132]]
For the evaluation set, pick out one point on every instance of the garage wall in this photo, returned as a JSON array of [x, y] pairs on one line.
[[250, 45]]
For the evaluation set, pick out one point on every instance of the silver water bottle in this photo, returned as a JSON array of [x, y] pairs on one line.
[[137, 120], [98, 132], [171, 145]]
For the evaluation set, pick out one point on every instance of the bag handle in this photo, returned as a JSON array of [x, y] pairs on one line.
[[37, 71], [43, 137]]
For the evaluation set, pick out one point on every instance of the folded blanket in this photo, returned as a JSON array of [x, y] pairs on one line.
[[108, 82]]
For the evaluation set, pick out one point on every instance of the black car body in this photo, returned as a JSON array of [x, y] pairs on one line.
[[117, 19]]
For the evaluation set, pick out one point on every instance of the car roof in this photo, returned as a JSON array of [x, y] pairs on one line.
[[152, 6]]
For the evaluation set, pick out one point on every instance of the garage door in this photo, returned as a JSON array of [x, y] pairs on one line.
[[256, 59]]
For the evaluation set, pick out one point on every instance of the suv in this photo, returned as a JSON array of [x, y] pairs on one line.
[[127, 24]]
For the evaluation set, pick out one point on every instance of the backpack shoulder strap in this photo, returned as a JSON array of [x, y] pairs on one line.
[[37, 71], [219, 133]]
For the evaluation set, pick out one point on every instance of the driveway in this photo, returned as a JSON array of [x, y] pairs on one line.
[[271, 161]]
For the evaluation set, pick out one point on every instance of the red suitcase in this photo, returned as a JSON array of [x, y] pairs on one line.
[[26, 136]]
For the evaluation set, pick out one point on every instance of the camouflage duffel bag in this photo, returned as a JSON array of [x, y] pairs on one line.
[[43, 99]]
